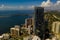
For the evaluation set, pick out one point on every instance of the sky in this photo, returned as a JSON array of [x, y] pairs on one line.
[[21, 4]]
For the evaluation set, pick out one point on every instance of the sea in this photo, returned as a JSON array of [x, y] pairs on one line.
[[10, 18]]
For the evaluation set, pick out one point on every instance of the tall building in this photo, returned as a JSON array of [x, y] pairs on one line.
[[56, 28], [29, 23], [47, 26], [15, 31], [39, 21]]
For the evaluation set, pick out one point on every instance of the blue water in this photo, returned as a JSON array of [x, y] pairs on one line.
[[9, 18]]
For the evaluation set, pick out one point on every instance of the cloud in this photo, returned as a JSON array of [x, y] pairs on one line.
[[48, 5], [2, 6], [30, 7], [21, 7]]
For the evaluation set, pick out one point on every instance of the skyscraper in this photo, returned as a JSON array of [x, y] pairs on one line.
[[39, 21]]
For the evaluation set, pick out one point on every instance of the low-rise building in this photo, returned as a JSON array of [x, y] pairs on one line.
[[36, 38], [26, 38], [30, 29], [1, 37], [15, 31], [6, 36]]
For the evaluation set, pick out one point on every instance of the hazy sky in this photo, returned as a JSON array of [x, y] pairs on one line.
[[21, 4]]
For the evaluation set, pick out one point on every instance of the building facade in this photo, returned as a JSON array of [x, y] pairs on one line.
[[5, 36], [28, 21], [15, 31], [56, 29], [29, 24], [39, 21]]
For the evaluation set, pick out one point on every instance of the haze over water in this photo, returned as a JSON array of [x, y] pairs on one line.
[[12, 17]]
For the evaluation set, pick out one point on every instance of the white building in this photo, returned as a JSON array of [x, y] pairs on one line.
[[1, 37], [29, 21], [47, 39], [29, 29], [26, 38], [36, 38], [15, 31], [5, 36], [29, 24], [54, 38], [56, 29]]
